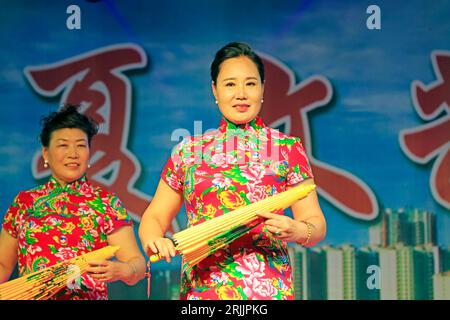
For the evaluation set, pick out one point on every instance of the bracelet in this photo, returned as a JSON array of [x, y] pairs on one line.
[[134, 269], [309, 227]]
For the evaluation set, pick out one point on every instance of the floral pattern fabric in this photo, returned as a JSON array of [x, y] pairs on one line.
[[54, 223], [220, 171]]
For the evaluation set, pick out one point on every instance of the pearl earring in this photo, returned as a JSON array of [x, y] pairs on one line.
[[262, 100], [216, 102], [45, 164], [89, 165]]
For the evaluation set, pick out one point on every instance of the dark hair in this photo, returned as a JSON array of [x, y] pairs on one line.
[[234, 50], [67, 117]]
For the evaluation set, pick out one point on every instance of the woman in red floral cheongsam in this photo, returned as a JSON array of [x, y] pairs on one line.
[[68, 216], [241, 162]]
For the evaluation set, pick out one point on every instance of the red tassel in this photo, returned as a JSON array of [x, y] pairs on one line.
[[148, 275]]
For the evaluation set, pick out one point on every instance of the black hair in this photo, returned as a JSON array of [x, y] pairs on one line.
[[67, 117], [234, 50]]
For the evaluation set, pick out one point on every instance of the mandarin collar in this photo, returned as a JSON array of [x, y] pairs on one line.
[[226, 125], [54, 185]]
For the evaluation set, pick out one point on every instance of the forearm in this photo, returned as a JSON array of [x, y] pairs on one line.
[[5, 273], [310, 231], [149, 229]]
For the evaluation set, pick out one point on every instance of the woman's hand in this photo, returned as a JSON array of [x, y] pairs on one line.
[[283, 227], [163, 246], [108, 271]]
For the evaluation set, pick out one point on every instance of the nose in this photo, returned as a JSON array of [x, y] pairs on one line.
[[241, 92], [72, 152]]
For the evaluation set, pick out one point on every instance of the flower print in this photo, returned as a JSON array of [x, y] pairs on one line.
[[256, 193], [230, 159], [108, 226], [219, 277], [173, 181], [260, 289], [227, 292], [65, 253], [189, 161], [68, 227], [251, 266], [231, 199], [210, 211], [86, 223], [86, 190], [221, 181], [91, 283], [32, 250], [254, 172], [218, 159]]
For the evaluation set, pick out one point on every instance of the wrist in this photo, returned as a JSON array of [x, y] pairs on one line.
[[133, 273], [309, 227]]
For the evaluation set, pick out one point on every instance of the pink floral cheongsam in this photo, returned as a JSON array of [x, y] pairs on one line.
[[220, 171]]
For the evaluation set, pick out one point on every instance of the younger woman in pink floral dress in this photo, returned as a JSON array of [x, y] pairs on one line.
[[241, 162]]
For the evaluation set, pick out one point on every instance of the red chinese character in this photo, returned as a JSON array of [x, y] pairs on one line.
[[96, 80], [289, 103], [432, 140]]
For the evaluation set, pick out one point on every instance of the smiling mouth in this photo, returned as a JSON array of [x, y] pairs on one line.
[[241, 107], [72, 165]]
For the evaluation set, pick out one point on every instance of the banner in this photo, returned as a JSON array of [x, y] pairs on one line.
[[365, 85]]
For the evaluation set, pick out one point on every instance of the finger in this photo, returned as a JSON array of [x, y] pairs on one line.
[[151, 245], [163, 249], [98, 263], [267, 215], [172, 250]]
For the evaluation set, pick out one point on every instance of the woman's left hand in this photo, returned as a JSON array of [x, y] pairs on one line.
[[106, 270], [281, 227]]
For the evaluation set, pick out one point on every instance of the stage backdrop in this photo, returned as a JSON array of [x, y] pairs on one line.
[[365, 84]]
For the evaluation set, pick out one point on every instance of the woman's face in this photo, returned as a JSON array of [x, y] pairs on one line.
[[67, 154], [238, 90]]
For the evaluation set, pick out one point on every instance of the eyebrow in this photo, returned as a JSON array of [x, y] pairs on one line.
[[64, 139], [248, 78]]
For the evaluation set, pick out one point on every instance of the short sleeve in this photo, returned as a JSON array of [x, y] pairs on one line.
[[15, 216], [299, 167], [172, 172], [116, 214]]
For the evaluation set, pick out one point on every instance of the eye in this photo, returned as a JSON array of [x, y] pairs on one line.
[[251, 83], [229, 84]]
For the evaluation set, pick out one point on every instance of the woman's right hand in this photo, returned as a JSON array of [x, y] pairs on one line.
[[162, 246]]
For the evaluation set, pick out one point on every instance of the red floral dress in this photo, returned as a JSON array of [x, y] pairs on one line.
[[55, 223], [220, 171]]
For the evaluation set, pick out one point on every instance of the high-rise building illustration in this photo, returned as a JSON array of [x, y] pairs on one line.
[[401, 262], [444, 252], [405, 272], [316, 274], [367, 274], [334, 273], [425, 260], [349, 272], [388, 274], [441, 286], [298, 256]]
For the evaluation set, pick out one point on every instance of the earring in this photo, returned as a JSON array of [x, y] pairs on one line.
[[89, 165], [45, 164], [216, 102], [262, 100]]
